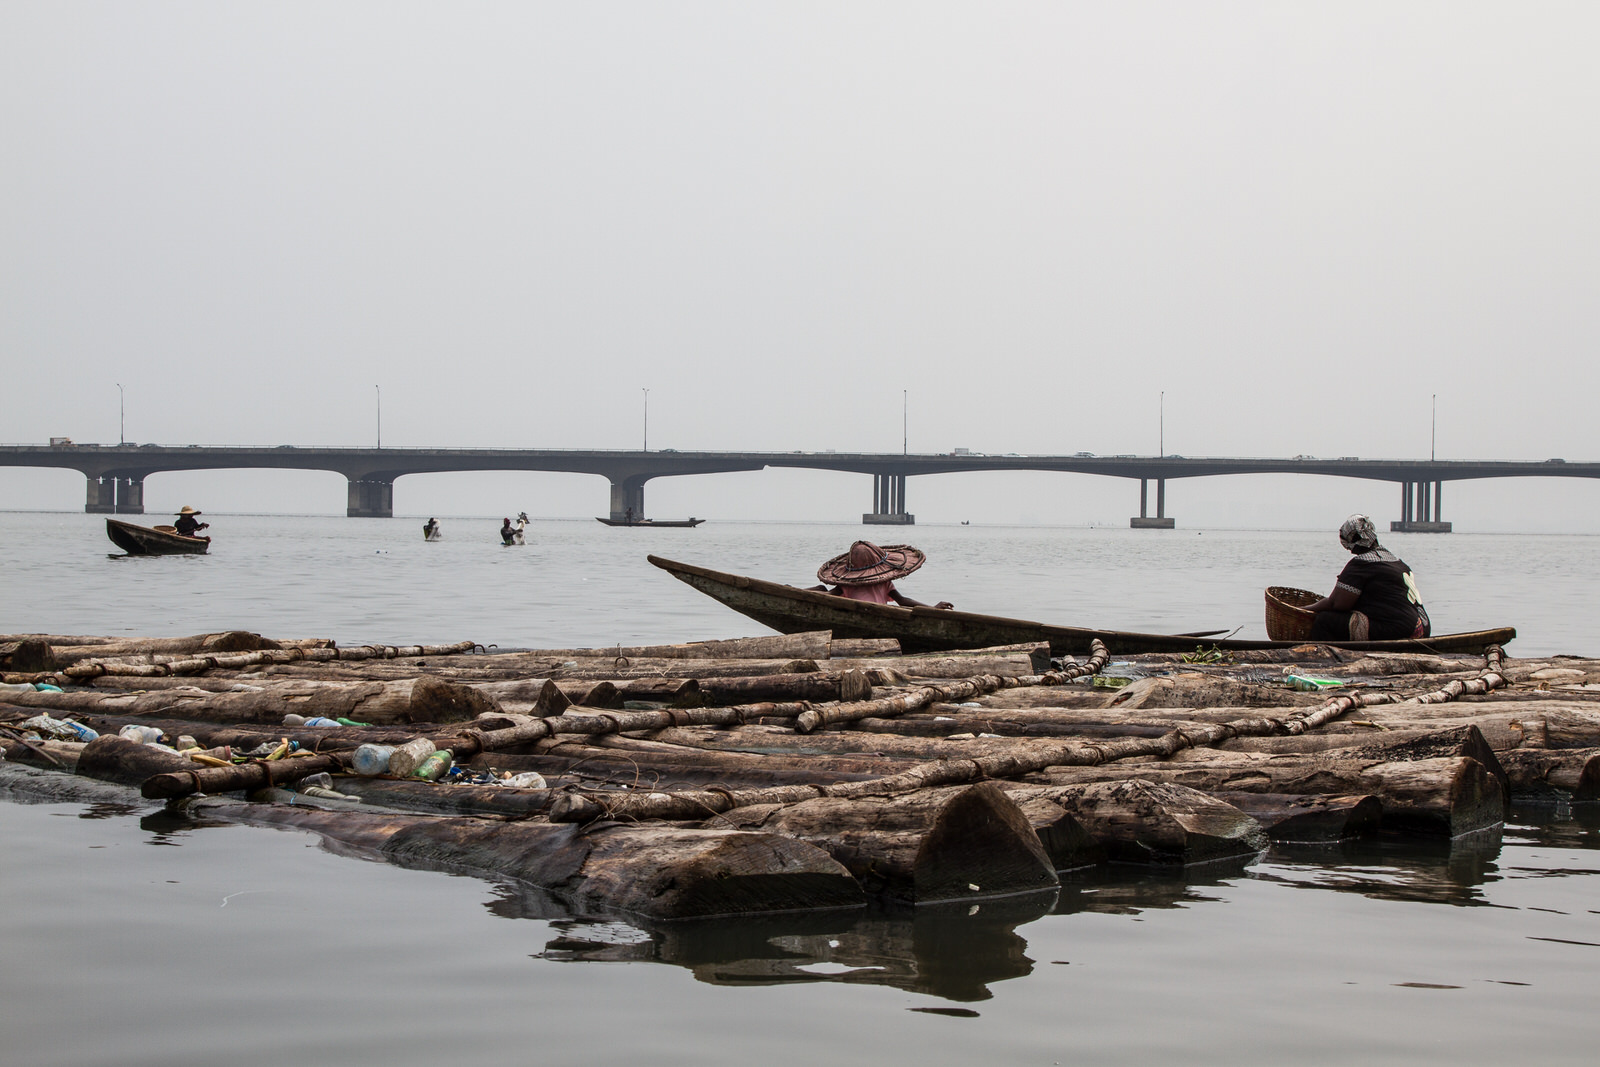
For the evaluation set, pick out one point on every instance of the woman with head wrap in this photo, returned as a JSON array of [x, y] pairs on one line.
[[1375, 597]]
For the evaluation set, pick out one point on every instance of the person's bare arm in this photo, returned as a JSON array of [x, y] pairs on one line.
[[906, 602], [1341, 599]]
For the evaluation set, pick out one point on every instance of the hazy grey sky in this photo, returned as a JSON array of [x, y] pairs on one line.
[[1299, 221]]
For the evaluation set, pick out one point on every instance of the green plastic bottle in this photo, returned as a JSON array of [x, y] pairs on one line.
[[435, 766]]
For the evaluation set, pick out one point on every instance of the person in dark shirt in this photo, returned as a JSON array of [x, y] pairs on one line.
[[1375, 597], [187, 525]]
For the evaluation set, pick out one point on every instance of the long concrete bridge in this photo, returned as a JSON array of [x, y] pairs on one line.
[[116, 473]]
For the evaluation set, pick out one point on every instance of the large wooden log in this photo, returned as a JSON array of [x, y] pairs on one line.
[[230, 641], [813, 644], [169, 782], [48, 755], [1138, 821], [1444, 797], [421, 796], [410, 700], [116, 759], [1310, 819], [640, 764], [936, 845], [658, 873], [1464, 740], [864, 647], [28, 655], [1505, 724], [1065, 840], [1196, 690], [1553, 774], [1004, 660], [713, 691], [509, 668]]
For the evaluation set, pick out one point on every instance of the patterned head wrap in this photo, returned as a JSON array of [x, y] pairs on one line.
[[1358, 534]]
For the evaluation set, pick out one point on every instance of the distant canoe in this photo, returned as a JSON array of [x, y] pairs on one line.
[[690, 521], [789, 609], [157, 541]]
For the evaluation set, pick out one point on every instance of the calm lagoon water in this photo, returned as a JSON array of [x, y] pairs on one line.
[[134, 936]]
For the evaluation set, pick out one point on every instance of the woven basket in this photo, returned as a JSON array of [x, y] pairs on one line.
[[1287, 618]]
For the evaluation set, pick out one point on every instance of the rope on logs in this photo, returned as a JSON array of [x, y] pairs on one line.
[[1018, 759], [809, 722]]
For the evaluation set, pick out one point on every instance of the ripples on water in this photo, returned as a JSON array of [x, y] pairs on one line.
[[262, 946]]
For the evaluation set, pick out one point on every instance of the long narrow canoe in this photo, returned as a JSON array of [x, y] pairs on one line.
[[788, 609], [145, 541], [691, 521]]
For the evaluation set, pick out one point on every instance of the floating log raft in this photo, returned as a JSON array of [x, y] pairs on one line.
[[800, 772]]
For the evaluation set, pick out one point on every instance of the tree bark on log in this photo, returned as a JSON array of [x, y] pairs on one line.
[[420, 796], [864, 647], [257, 774], [1444, 797], [116, 759], [1139, 821], [229, 641], [704, 692], [1294, 819], [813, 644], [936, 845], [1009, 664], [655, 872], [1553, 774], [28, 655], [47, 755], [414, 700], [1208, 691], [652, 766]]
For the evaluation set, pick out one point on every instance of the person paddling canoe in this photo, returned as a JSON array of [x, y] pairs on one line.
[[867, 572], [187, 525], [1375, 597]]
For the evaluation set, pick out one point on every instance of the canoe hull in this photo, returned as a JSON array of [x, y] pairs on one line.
[[682, 523], [788, 609], [143, 541]]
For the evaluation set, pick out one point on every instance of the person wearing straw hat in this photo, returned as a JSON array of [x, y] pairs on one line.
[[1375, 597], [186, 525], [867, 572]]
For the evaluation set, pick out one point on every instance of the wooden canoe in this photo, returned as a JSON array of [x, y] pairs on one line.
[[145, 541], [788, 609], [690, 521]]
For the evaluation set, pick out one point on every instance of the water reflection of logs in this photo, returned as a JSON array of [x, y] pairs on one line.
[[797, 772]]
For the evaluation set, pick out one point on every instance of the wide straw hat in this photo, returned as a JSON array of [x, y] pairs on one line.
[[187, 510], [867, 564]]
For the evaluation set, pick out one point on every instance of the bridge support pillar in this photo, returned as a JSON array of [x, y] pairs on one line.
[[130, 496], [102, 499], [888, 502], [371, 498], [1146, 521], [627, 499], [1419, 508]]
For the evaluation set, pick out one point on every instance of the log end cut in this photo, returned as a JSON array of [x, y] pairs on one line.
[[436, 700], [981, 843]]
